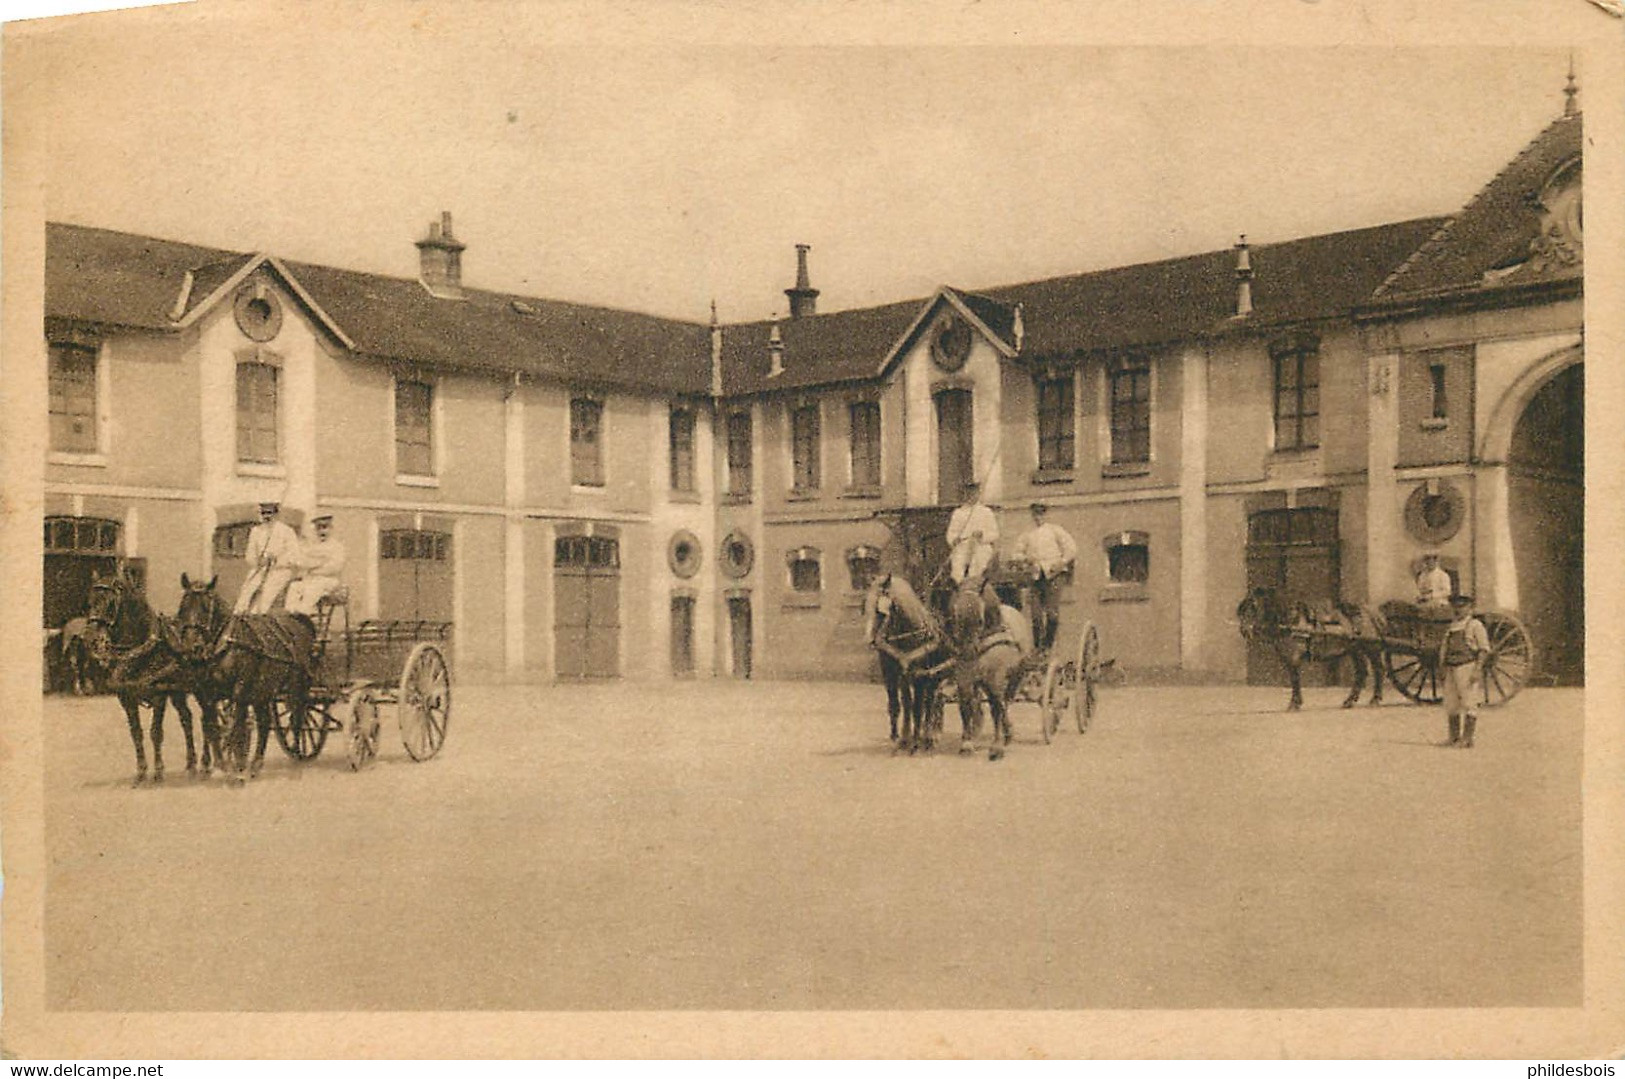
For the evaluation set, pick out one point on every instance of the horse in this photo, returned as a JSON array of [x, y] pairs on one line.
[[993, 664], [139, 650], [1293, 631], [252, 660], [74, 666], [913, 658]]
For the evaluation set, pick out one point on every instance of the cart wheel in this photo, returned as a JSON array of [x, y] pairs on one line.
[[300, 736], [1415, 676], [1060, 686], [363, 730], [1084, 700], [1512, 657], [424, 704]]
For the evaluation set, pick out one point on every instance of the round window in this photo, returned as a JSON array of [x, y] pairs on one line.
[[1435, 515], [737, 554], [684, 554], [259, 312]]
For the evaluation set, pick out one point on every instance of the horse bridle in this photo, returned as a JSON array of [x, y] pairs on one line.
[[198, 639]]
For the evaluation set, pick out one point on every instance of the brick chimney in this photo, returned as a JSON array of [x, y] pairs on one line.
[[440, 260], [803, 298], [1244, 279]]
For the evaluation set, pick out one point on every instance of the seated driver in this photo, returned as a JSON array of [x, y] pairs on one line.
[[322, 563]]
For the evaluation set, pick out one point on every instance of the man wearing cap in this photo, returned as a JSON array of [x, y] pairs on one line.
[[1050, 551], [273, 556], [1462, 653], [322, 563], [972, 532]]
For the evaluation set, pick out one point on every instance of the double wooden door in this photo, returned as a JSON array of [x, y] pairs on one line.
[[587, 607]]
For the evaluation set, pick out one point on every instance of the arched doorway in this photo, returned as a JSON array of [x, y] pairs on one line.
[[1546, 515]]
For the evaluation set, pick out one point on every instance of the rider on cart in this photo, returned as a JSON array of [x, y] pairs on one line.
[[973, 531], [1050, 551]]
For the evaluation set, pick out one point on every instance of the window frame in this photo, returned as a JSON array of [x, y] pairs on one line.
[[796, 594], [1054, 462], [1136, 420], [1126, 589], [807, 468], [403, 477], [682, 474], [738, 469], [1294, 356], [872, 477], [100, 390], [597, 480], [258, 360]]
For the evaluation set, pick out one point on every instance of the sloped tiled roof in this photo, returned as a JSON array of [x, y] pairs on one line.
[[1124, 307], [1495, 229], [501, 332], [102, 276], [98, 275]]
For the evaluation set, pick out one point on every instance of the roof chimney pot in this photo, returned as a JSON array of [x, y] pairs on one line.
[[440, 260], [1244, 278], [803, 298]]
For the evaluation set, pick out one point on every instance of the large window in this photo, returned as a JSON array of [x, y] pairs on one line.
[[414, 428], [804, 447], [586, 442], [682, 449], [1056, 435], [865, 443], [1131, 410], [257, 412], [73, 399], [739, 439], [1297, 396]]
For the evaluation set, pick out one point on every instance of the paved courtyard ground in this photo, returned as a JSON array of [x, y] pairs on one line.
[[759, 846]]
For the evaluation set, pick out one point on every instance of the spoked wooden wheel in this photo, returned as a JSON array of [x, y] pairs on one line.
[[424, 703], [1512, 656], [1414, 675], [300, 736], [1085, 699], [1060, 687], [362, 733]]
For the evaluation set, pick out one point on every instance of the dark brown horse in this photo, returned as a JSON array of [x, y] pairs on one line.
[[141, 653], [1302, 633], [252, 661], [990, 665], [914, 658]]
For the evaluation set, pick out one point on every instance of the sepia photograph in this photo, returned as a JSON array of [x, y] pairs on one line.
[[805, 532]]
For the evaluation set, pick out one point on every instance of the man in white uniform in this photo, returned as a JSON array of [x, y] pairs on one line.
[[273, 557], [972, 532], [1051, 551], [1433, 584], [323, 566]]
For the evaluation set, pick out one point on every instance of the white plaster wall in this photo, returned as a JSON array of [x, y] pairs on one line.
[[218, 342], [667, 517], [921, 377], [1499, 366]]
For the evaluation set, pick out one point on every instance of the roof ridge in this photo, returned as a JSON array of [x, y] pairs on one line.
[[1438, 238]]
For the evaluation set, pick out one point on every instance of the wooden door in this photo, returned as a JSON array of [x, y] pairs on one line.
[[1294, 553], [740, 629], [414, 575], [682, 635], [586, 598], [955, 445]]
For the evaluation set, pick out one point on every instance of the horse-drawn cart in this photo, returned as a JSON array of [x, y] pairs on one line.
[[359, 669], [1411, 638]]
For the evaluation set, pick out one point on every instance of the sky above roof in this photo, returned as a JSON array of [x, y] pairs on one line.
[[658, 178]]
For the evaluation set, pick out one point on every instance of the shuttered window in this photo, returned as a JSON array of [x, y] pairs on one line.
[[586, 442], [257, 412], [414, 428]]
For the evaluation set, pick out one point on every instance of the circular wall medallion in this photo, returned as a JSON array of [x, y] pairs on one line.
[[258, 311], [950, 343], [684, 553], [1434, 517], [737, 554]]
